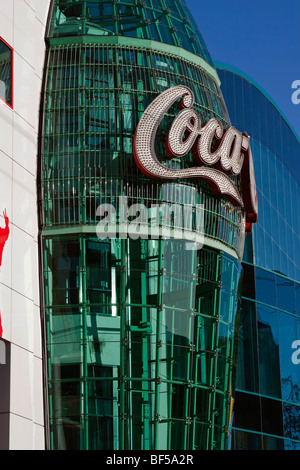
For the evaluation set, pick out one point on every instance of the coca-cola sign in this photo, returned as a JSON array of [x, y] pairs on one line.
[[226, 152]]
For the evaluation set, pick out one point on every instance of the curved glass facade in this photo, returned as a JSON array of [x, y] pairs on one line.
[[141, 340], [267, 406], [95, 96], [166, 21], [141, 333], [275, 148]]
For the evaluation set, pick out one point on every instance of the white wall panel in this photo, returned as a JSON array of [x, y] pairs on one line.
[[23, 262], [41, 9], [6, 127], [21, 433], [38, 415], [39, 35], [6, 310], [38, 437], [24, 200], [26, 103], [25, 144], [6, 165], [6, 21], [22, 374], [24, 31], [37, 332], [22, 321], [22, 26]]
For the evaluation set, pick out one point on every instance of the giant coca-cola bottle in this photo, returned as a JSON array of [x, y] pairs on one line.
[[140, 268]]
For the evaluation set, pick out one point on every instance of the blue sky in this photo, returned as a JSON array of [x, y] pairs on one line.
[[260, 38]]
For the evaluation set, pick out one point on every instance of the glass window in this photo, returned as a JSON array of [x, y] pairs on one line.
[[291, 421], [290, 372], [247, 412], [247, 361], [297, 293], [246, 441], [269, 362], [248, 281], [63, 271], [6, 72], [291, 445], [285, 289], [265, 287], [272, 443], [271, 416]]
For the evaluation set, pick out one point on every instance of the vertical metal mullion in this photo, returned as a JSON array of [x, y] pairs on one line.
[[70, 105], [47, 131], [91, 135], [65, 119], [123, 341], [158, 340], [83, 132], [73, 170], [84, 381], [191, 354], [216, 344], [84, 18], [56, 133], [49, 342], [145, 364], [197, 327], [170, 386]]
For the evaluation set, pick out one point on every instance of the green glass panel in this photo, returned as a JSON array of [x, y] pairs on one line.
[[140, 331], [171, 25]]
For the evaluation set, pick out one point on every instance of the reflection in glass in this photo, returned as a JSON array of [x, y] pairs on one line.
[[290, 374], [265, 287], [160, 334], [268, 346], [272, 255], [6, 88]]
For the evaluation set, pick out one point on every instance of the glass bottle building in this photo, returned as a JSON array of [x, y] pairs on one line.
[[141, 333], [267, 405]]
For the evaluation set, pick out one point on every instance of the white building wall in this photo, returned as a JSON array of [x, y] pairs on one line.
[[22, 26]]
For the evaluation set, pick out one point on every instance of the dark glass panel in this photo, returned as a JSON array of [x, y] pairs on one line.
[[271, 443], [271, 413], [100, 432], [285, 294], [248, 249], [268, 345], [178, 430], [67, 436], [246, 441], [247, 377], [265, 287], [64, 269], [247, 412], [248, 281]]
